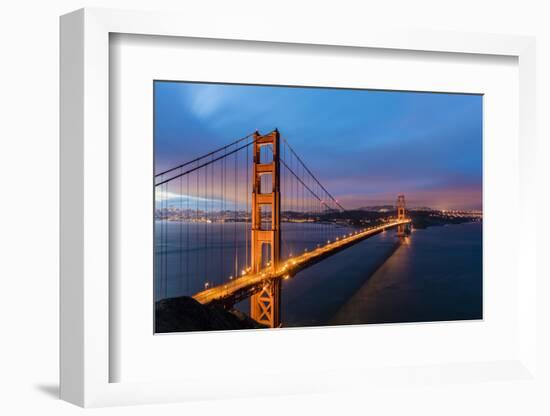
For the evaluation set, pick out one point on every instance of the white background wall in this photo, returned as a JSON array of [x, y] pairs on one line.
[[29, 203]]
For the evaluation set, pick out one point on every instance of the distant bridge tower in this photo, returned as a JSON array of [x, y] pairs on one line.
[[265, 306], [401, 208]]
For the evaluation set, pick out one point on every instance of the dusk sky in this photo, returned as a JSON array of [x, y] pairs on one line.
[[365, 146]]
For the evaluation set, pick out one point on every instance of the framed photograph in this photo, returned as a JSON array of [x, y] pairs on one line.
[[281, 206], [260, 233]]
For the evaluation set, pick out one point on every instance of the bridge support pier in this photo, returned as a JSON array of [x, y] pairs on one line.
[[265, 306]]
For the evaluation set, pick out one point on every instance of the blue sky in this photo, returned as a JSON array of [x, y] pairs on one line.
[[365, 146]]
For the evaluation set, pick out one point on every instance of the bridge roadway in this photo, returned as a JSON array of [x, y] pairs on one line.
[[247, 284]]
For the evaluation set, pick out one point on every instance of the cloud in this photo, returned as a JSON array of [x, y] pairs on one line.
[[175, 198], [206, 101], [361, 144]]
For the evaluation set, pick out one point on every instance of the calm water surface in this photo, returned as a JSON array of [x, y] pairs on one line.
[[433, 275]]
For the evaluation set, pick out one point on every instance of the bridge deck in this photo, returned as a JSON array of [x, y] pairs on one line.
[[245, 285]]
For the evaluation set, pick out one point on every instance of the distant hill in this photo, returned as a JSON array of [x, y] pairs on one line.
[[386, 208], [421, 209], [378, 208]]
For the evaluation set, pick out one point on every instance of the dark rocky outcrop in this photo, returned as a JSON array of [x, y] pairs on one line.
[[184, 314]]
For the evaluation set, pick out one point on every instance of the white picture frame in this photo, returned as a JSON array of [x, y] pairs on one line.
[[85, 221]]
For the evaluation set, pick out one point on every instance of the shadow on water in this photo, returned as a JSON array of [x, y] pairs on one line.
[[314, 295], [435, 275]]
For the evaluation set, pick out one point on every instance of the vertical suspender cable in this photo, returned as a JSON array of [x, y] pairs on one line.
[[246, 231], [197, 227], [187, 238], [180, 218], [223, 214], [236, 216]]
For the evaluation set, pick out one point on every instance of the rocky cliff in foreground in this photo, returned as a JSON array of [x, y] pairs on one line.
[[184, 314]]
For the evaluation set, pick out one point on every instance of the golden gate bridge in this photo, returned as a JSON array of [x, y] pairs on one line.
[[227, 229]]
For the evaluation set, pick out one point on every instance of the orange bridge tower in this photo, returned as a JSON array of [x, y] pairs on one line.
[[401, 208], [266, 227]]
